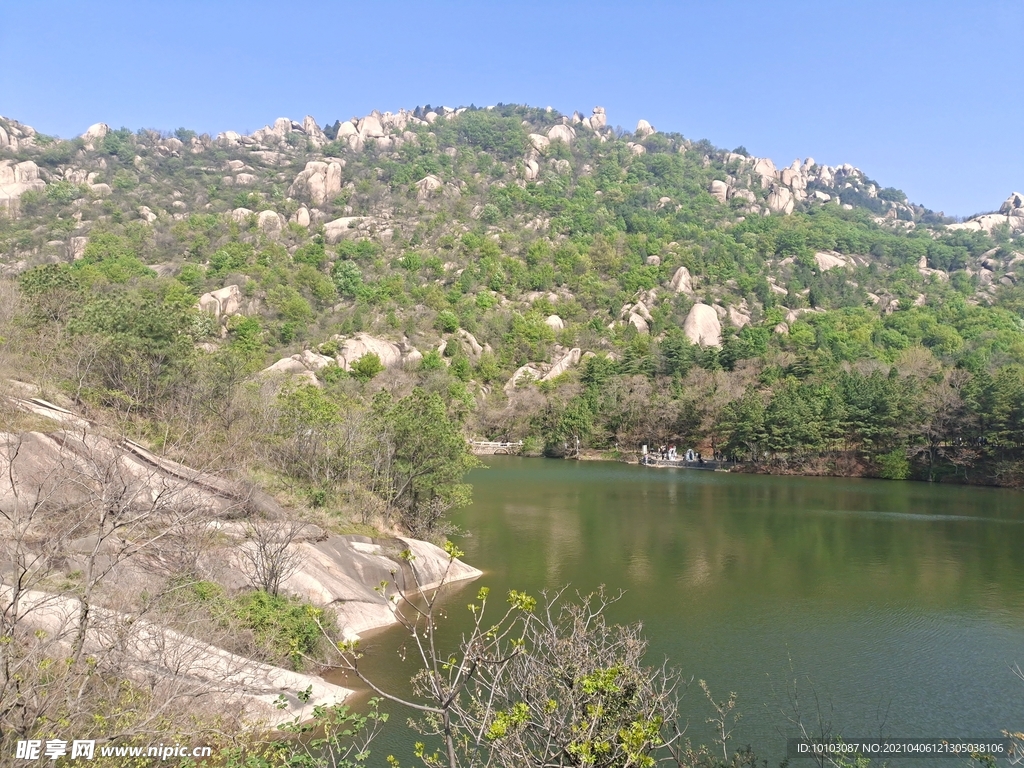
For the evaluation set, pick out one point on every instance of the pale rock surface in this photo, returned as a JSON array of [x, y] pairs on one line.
[[469, 343], [639, 323], [554, 322], [94, 134], [391, 354], [426, 186], [765, 169], [599, 119], [926, 271], [319, 181], [1015, 202], [644, 129], [528, 372], [270, 222], [539, 142], [343, 228], [15, 180], [739, 316], [76, 247], [342, 571], [146, 213], [563, 364], [301, 216], [147, 653], [241, 215], [313, 132], [531, 169], [561, 133], [307, 360], [827, 260], [222, 303], [719, 190], [702, 326], [780, 200], [681, 281], [370, 127]]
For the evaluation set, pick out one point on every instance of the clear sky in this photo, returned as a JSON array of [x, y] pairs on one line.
[[922, 95]]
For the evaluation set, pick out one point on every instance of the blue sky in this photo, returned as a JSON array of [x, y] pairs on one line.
[[924, 96]]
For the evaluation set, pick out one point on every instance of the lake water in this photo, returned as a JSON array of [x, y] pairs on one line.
[[900, 606]]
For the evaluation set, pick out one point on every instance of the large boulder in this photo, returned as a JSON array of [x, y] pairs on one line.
[[319, 182], [702, 326], [270, 222], [780, 200], [638, 322], [539, 142], [563, 364], [739, 315], [644, 129], [599, 119], [426, 186], [371, 128], [719, 190], [554, 322], [306, 361], [561, 133], [301, 216], [765, 169], [391, 354], [95, 133], [316, 136], [681, 281], [15, 180], [827, 260], [1013, 205], [222, 303], [344, 228]]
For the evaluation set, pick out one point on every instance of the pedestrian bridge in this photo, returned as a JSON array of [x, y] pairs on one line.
[[492, 448]]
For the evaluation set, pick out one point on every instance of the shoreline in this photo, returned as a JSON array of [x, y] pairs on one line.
[[821, 468]]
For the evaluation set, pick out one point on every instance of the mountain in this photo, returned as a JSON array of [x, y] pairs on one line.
[[565, 279]]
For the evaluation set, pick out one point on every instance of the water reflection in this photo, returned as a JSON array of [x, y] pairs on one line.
[[902, 598]]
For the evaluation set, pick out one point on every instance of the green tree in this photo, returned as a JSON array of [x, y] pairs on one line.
[[425, 458]]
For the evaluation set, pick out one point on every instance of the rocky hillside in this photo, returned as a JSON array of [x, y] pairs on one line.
[[510, 246]]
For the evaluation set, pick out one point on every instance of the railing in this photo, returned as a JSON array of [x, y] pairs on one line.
[[490, 447]]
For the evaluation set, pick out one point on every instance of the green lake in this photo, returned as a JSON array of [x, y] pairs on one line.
[[900, 606]]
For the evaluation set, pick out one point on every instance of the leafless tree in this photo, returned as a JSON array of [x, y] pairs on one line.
[[268, 555]]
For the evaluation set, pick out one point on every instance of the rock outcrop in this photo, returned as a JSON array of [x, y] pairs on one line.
[[427, 186], [222, 303], [563, 364], [319, 182], [719, 190], [644, 129], [702, 326], [562, 133], [682, 282], [554, 322], [15, 180], [345, 228], [1011, 214], [391, 353]]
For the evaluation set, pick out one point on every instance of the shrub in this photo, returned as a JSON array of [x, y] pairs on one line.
[[894, 465], [366, 367]]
